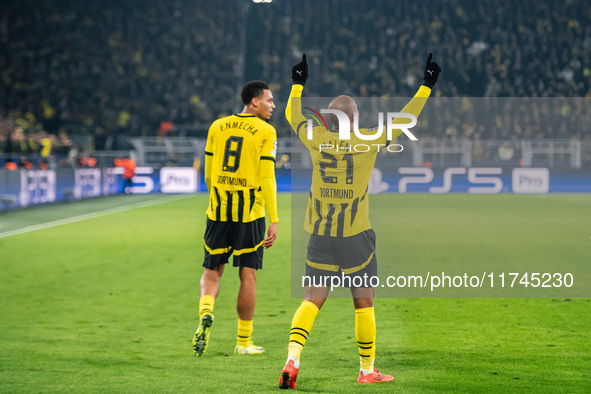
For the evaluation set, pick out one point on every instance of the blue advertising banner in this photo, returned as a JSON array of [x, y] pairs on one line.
[[23, 188], [30, 187], [476, 180]]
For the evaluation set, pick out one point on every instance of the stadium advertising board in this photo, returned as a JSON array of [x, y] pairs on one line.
[[24, 188], [475, 180], [484, 180], [530, 180], [178, 180]]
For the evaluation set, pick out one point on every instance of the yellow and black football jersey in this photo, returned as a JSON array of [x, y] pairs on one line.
[[237, 144], [338, 204]]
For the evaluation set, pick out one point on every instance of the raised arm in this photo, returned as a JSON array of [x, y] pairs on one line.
[[415, 106]]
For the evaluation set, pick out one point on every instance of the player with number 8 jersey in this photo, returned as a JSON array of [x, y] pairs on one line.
[[240, 176], [237, 144]]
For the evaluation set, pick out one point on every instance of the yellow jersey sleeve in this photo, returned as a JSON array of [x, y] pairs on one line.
[[414, 107], [293, 113], [269, 149], [210, 136]]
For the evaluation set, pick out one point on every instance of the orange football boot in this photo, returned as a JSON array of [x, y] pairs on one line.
[[289, 374], [374, 377]]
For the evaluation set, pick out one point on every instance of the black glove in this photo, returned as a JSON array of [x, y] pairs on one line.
[[299, 72], [432, 71]]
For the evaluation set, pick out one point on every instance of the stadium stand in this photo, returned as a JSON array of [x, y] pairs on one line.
[[148, 68]]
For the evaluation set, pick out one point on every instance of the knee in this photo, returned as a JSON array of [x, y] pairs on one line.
[[319, 302], [211, 275], [363, 303], [248, 276]]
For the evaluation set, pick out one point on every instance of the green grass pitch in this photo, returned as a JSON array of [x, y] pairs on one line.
[[109, 303]]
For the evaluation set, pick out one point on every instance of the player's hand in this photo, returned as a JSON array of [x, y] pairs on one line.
[[299, 72], [432, 71], [271, 235]]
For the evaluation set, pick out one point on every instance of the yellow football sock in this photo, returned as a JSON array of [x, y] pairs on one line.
[[301, 325], [365, 332], [244, 332], [206, 305]]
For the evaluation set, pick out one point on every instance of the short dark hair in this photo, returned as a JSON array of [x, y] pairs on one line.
[[251, 90]]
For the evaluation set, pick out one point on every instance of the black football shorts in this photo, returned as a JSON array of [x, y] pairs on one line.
[[351, 256], [243, 240]]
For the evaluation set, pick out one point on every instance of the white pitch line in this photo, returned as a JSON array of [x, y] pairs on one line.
[[93, 215]]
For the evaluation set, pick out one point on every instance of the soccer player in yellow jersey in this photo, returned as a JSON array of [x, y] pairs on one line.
[[341, 239], [240, 176]]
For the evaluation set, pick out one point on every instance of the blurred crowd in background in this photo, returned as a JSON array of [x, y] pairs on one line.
[[147, 68]]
